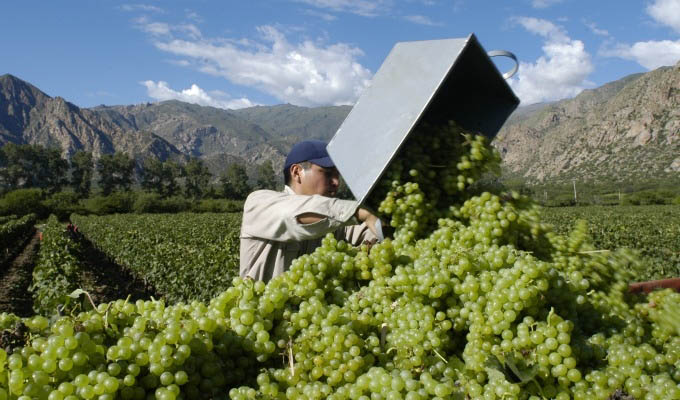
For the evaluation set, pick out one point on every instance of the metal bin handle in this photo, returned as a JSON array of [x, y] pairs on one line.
[[504, 53]]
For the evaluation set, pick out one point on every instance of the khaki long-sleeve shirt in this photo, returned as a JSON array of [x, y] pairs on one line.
[[272, 237]]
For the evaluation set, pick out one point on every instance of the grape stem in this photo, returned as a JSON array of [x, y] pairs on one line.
[[440, 356], [291, 359], [91, 301], [383, 334]]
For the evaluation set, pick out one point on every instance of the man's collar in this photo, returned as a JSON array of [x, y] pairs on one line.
[[287, 189]]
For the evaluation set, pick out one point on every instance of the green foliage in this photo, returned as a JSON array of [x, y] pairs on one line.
[[63, 204], [56, 273], [235, 182], [654, 231], [174, 204], [217, 206], [160, 177], [676, 201], [31, 166], [185, 256], [266, 178], [149, 203], [196, 178], [648, 191], [23, 202], [115, 172], [116, 202], [14, 231], [648, 197], [82, 167]]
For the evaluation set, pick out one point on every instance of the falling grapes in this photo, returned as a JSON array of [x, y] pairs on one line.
[[473, 297]]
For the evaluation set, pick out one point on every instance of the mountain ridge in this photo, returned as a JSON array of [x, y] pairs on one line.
[[624, 130]]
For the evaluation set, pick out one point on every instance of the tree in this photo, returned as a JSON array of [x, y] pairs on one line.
[[196, 178], [27, 166], [266, 179], [115, 172], [51, 169], [235, 182], [160, 177], [152, 175], [82, 167], [14, 171]]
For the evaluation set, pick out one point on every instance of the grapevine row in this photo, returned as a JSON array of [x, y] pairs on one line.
[[57, 270], [15, 231], [184, 256], [654, 231]]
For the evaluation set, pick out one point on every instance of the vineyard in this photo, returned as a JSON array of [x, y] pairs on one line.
[[654, 231], [476, 296], [184, 256]]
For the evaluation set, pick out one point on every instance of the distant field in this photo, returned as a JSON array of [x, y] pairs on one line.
[[653, 230]]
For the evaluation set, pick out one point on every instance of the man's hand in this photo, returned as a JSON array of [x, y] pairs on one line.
[[363, 215]]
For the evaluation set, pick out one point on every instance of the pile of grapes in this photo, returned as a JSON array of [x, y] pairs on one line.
[[472, 298]]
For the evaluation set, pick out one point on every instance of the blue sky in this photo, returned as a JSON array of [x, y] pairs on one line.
[[234, 54]]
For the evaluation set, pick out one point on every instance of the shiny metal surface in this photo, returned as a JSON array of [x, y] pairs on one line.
[[430, 81]]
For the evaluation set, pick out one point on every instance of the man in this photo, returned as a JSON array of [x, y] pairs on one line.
[[278, 227]]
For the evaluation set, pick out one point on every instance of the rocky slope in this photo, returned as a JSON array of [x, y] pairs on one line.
[[28, 115], [627, 130]]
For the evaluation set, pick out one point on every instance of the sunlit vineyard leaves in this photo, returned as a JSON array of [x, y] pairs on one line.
[[652, 230], [184, 256]]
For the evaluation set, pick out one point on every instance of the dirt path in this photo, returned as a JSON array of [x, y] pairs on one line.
[[107, 281], [15, 279]]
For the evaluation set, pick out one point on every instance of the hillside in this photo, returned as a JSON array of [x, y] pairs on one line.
[[624, 131], [627, 130], [27, 115]]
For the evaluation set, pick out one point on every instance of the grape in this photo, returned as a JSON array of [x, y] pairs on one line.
[[473, 297]]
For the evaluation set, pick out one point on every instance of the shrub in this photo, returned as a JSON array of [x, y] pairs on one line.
[[217, 206], [647, 197], [22, 202], [116, 202], [175, 204], [63, 204], [676, 200], [147, 203]]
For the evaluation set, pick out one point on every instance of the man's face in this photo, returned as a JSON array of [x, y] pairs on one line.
[[319, 180]]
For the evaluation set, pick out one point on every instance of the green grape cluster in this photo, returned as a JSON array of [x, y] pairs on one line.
[[474, 297]]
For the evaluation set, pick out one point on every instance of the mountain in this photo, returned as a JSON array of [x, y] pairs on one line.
[[627, 130], [169, 129], [623, 131], [29, 116], [297, 123]]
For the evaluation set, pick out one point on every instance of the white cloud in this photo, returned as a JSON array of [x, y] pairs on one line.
[[308, 73], [544, 3], [141, 7], [560, 72], [651, 54], [366, 8], [666, 12], [154, 28], [421, 19], [593, 28], [164, 29], [324, 16], [195, 95], [194, 16]]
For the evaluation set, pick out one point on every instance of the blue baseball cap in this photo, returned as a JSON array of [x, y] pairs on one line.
[[313, 151]]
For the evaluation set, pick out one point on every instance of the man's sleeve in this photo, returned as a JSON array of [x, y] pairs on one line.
[[357, 234], [273, 215]]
